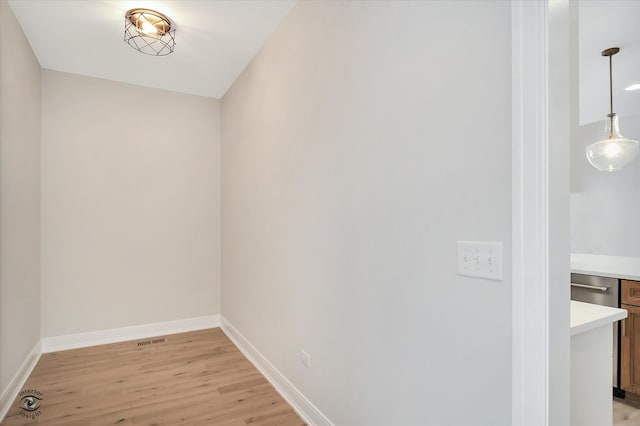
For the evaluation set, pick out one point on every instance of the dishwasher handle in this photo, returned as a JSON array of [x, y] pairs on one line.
[[590, 287]]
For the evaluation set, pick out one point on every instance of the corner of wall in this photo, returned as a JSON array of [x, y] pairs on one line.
[[8, 394], [302, 406]]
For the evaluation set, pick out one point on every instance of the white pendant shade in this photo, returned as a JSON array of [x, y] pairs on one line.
[[614, 152]]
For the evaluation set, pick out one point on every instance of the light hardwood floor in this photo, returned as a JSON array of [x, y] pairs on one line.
[[196, 378], [625, 413]]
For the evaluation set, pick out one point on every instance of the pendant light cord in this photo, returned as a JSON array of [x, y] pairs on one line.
[[611, 94]]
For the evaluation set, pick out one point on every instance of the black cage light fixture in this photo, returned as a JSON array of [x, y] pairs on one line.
[[149, 32]]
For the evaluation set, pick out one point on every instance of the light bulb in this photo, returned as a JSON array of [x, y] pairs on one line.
[[613, 152], [612, 149], [148, 28]]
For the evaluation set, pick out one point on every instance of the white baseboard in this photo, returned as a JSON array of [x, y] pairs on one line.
[[15, 385], [305, 409], [115, 335]]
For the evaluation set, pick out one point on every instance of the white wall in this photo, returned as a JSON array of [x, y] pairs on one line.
[[605, 206], [130, 205], [19, 197], [361, 143]]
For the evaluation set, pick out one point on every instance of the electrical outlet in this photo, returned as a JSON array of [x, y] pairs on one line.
[[305, 358], [481, 259]]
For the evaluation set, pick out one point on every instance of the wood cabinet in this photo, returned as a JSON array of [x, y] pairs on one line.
[[630, 292], [630, 338]]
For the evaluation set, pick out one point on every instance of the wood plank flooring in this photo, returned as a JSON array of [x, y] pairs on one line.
[[625, 413], [196, 378]]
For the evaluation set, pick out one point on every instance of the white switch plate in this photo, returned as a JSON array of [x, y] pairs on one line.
[[482, 259]]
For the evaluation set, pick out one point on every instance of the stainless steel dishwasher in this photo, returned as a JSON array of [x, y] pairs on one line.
[[601, 291]]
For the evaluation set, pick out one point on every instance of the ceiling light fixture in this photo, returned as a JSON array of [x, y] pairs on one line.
[[614, 152], [632, 87], [149, 32]]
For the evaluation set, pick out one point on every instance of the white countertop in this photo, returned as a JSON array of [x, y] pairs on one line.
[[606, 266], [587, 316]]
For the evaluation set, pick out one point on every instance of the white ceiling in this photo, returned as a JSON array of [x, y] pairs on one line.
[[215, 40], [604, 24]]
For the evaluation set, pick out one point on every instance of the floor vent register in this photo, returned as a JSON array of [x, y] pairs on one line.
[[151, 342]]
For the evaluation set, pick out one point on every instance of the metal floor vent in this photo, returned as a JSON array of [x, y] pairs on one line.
[[151, 342]]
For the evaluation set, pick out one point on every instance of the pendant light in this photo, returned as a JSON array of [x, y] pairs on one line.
[[613, 152]]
